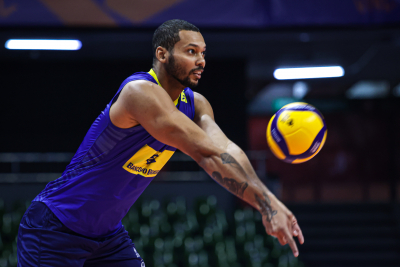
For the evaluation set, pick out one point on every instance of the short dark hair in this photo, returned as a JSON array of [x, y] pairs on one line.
[[167, 34]]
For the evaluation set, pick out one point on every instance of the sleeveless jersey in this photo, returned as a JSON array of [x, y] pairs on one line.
[[110, 170]]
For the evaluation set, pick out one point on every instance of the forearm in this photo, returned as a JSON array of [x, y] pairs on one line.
[[229, 173], [228, 165], [236, 152], [263, 200]]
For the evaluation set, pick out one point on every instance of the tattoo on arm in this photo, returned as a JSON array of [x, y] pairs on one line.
[[231, 184], [228, 159], [265, 205]]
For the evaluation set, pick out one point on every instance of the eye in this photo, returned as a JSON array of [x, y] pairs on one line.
[[191, 51], [203, 53]]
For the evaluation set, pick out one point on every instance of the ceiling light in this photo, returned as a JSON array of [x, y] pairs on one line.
[[368, 89], [43, 44], [308, 72]]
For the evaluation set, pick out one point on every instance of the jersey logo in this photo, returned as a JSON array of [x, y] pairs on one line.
[[144, 161], [183, 97], [152, 159]]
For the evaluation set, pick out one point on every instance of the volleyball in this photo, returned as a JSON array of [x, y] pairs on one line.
[[296, 133]]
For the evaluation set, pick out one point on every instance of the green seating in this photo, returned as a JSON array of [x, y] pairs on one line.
[[177, 235]]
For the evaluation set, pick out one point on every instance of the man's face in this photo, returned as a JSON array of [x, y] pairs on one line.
[[186, 62]]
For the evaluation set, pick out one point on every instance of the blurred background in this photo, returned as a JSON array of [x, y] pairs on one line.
[[346, 199]]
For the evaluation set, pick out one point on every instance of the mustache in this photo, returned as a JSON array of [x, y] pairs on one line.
[[199, 68]]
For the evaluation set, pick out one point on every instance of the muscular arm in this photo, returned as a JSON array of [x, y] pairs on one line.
[[275, 214], [142, 102], [145, 103]]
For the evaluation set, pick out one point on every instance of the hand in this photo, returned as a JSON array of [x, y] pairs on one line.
[[280, 222]]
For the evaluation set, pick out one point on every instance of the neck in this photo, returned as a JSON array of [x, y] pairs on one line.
[[168, 83]]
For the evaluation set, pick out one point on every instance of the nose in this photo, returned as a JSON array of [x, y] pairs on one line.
[[201, 61]]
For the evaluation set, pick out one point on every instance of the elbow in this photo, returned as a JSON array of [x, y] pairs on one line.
[[202, 161], [205, 157], [200, 157]]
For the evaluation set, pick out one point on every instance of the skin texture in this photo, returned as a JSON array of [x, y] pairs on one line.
[[201, 139]]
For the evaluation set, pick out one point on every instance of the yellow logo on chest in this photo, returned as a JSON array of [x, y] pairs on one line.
[[147, 162], [183, 97]]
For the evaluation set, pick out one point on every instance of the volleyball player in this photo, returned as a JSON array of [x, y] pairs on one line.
[[76, 219]]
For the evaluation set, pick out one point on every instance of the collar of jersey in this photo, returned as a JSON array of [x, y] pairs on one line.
[[154, 75]]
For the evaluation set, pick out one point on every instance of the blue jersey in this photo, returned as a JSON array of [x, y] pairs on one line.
[[110, 170]]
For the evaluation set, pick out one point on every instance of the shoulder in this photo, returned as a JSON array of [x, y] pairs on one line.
[[141, 87], [140, 100], [199, 98], [141, 90], [202, 107]]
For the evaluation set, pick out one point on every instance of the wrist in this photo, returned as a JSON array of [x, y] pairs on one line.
[[266, 204]]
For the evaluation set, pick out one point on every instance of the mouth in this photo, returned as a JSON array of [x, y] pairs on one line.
[[198, 73]]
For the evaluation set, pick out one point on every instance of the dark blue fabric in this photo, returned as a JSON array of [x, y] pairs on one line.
[[95, 192], [44, 241]]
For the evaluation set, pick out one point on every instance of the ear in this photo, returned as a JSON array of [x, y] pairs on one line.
[[161, 54]]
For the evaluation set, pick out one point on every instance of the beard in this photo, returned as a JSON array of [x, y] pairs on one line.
[[179, 74]]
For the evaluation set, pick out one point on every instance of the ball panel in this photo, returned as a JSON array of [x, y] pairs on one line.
[[269, 125], [314, 146], [289, 122], [298, 142], [295, 105], [275, 148], [296, 161], [313, 123], [271, 142], [277, 136]]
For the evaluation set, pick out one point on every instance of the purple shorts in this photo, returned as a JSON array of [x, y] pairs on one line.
[[44, 241]]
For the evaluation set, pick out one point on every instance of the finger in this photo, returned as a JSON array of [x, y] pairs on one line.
[[291, 242], [282, 240], [293, 225], [299, 233]]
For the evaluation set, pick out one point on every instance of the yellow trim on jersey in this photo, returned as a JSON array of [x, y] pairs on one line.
[[176, 101], [147, 162], [154, 75]]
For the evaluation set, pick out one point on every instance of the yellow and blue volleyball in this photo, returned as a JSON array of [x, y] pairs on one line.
[[296, 133]]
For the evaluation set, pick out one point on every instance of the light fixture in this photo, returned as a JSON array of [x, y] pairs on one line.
[[366, 89], [43, 44], [308, 72], [300, 89]]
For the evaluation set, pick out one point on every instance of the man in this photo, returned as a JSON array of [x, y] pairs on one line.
[[76, 219]]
